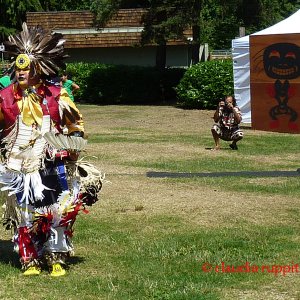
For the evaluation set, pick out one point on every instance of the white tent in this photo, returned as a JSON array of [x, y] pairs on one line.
[[241, 61]]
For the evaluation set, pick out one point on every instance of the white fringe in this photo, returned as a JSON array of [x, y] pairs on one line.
[[65, 203], [29, 184]]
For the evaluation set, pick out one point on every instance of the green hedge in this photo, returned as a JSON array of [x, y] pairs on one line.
[[200, 86], [205, 83], [117, 84]]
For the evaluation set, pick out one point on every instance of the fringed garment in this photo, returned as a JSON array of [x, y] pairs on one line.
[[50, 189]]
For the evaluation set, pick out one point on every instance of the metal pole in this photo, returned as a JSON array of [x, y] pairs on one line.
[[2, 48]]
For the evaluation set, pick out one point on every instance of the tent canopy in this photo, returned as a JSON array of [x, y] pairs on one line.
[[241, 61]]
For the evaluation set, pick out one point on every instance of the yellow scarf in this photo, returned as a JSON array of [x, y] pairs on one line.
[[32, 111]]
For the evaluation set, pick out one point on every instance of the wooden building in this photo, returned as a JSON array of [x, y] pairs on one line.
[[118, 43]]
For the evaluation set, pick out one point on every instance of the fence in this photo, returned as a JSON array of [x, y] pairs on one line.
[[220, 54]]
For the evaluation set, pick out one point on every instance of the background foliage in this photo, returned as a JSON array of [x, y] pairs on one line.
[[205, 83], [200, 86], [112, 84], [219, 20]]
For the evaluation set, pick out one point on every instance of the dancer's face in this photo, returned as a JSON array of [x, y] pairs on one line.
[[22, 76]]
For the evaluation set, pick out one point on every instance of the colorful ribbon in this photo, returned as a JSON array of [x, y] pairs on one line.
[[32, 111]]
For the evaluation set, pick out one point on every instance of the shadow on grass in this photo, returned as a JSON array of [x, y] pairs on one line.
[[10, 257], [295, 173], [245, 126], [7, 254], [221, 149], [74, 260]]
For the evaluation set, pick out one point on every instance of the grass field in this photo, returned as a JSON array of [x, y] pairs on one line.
[[177, 238]]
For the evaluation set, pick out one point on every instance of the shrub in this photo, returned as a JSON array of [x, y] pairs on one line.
[[119, 84], [205, 83]]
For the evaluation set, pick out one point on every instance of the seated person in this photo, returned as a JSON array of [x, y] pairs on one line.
[[227, 117]]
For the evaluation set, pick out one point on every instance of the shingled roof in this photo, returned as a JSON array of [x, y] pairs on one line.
[[78, 28]]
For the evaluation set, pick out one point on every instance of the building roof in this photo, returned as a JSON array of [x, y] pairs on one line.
[[78, 28]]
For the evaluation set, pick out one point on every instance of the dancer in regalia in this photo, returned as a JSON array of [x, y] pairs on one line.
[[46, 183]]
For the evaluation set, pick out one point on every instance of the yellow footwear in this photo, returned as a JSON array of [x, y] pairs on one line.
[[57, 270], [34, 270]]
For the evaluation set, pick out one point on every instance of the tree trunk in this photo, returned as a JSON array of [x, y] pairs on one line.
[[195, 44], [197, 6], [161, 56]]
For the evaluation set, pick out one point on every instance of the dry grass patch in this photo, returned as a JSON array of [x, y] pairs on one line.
[[196, 204], [147, 237]]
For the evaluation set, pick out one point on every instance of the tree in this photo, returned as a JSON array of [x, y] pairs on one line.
[[104, 10], [271, 12], [213, 21], [220, 19], [65, 5], [13, 13], [168, 19], [164, 20], [196, 7], [218, 22]]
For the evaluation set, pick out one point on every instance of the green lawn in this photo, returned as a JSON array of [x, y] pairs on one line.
[[155, 238]]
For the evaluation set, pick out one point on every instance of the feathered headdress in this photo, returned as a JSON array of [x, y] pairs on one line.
[[44, 50]]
